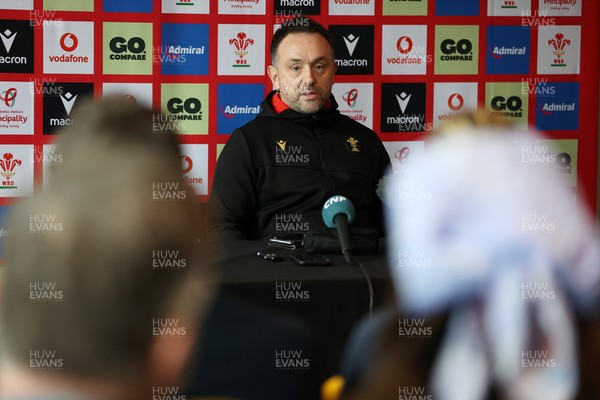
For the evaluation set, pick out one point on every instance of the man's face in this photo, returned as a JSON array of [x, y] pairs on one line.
[[304, 72]]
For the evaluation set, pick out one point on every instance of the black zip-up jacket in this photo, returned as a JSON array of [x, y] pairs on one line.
[[276, 172]]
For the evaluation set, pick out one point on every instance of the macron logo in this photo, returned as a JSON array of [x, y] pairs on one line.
[[351, 42], [68, 100], [403, 100], [8, 38]]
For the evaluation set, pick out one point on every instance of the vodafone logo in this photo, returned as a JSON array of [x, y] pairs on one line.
[[404, 45], [69, 42], [186, 164], [456, 102]]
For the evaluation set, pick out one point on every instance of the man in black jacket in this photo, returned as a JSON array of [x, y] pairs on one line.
[[277, 171]]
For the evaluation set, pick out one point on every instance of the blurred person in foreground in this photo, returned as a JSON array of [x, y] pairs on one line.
[[276, 172], [103, 289], [490, 252]]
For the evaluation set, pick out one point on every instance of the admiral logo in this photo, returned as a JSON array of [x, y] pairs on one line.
[[559, 44], [232, 111], [549, 108], [123, 49], [498, 52], [8, 166], [507, 107], [184, 49], [241, 44], [237, 104], [188, 109], [403, 107], [290, 155], [559, 110], [353, 48], [16, 51], [461, 50]]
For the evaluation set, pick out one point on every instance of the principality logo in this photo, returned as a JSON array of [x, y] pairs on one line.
[[559, 43], [8, 38], [456, 102], [9, 97], [281, 144], [402, 155], [404, 45], [350, 97], [241, 43], [7, 165], [69, 42]]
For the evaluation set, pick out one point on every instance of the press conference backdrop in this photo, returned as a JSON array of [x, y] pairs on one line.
[[404, 68]]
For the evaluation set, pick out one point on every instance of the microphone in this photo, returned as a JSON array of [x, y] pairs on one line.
[[337, 213]]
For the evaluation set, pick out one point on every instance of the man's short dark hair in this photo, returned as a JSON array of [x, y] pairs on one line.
[[297, 25]]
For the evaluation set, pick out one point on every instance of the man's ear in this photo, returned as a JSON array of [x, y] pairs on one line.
[[274, 75], [169, 357]]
